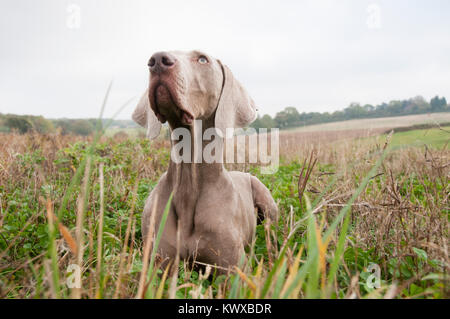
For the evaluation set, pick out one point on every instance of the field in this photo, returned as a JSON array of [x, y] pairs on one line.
[[436, 137], [356, 206], [378, 123]]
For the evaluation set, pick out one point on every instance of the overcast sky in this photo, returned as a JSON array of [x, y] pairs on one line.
[[57, 57]]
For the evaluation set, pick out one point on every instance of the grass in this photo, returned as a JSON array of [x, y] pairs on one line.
[[435, 137], [365, 201], [125, 132]]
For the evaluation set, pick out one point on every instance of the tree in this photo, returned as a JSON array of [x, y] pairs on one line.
[[256, 124], [395, 108], [354, 110], [282, 119], [82, 127], [267, 121], [79, 127], [41, 124], [437, 104], [417, 105], [17, 122]]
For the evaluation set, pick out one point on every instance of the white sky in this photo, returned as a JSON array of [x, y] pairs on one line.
[[314, 55]]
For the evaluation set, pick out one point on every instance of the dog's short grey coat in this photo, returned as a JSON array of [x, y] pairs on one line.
[[215, 209]]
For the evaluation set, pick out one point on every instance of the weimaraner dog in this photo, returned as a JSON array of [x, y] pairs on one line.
[[216, 210]]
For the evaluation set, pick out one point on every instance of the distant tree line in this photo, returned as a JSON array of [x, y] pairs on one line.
[[290, 117], [287, 118], [27, 123]]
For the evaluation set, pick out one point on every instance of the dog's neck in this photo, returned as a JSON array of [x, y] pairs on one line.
[[187, 179]]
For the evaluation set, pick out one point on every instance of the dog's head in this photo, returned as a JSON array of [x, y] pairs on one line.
[[185, 86]]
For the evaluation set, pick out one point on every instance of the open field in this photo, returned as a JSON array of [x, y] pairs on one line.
[[363, 204], [372, 126], [378, 123], [435, 137], [132, 132]]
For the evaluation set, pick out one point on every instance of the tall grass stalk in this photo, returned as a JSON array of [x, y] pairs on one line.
[[100, 234], [52, 252], [84, 166], [311, 265], [151, 276], [76, 292], [125, 243]]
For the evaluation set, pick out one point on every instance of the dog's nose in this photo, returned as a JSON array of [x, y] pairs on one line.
[[161, 61]]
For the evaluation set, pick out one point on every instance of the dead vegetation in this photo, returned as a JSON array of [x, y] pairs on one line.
[[399, 220]]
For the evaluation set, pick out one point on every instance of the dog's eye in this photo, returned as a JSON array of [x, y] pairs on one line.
[[202, 60]]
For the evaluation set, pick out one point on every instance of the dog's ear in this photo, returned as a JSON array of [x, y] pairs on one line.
[[235, 108], [145, 117]]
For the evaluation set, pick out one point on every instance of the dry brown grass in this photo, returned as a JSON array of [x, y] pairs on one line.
[[392, 207], [405, 206]]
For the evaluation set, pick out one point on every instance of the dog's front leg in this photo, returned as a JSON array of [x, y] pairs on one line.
[[263, 201]]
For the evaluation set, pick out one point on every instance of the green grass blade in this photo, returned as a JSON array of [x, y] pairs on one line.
[[313, 253], [302, 273], [280, 280], [355, 195], [338, 252], [161, 227], [269, 279]]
